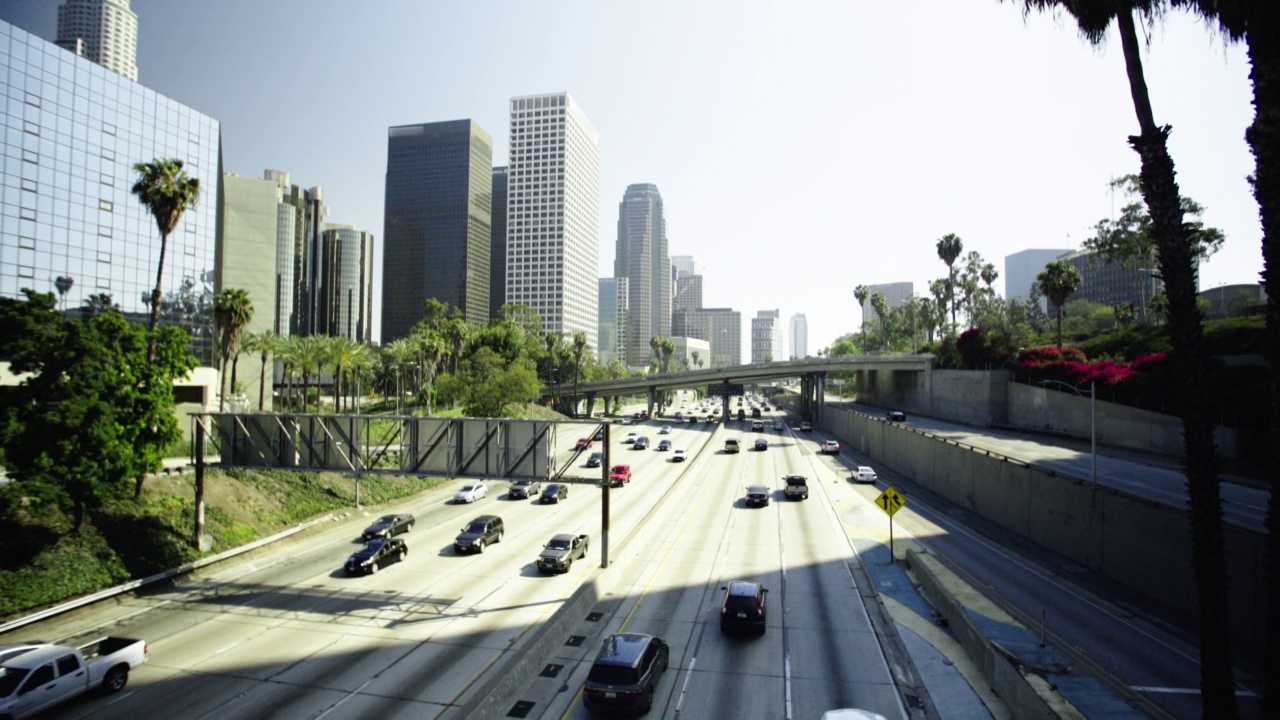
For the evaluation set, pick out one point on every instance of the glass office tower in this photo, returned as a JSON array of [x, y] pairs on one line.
[[72, 131], [438, 217]]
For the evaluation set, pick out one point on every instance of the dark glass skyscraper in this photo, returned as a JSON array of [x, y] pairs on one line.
[[438, 222], [498, 244]]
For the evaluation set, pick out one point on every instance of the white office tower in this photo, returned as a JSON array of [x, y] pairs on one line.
[[799, 336], [766, 337], [642, 257], [553, 214], [103, 31]]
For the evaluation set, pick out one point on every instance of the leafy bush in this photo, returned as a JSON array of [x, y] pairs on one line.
[[74, 565]]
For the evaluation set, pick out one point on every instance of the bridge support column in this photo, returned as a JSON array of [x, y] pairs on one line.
[[591, 404], [653, 393]]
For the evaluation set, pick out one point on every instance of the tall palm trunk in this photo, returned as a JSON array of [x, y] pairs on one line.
[[262, 383], [154, 322], [1177, 268], [1263, 137]]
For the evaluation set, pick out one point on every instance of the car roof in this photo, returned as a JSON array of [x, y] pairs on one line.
[[623, 648], [563, 536], [486, 518], [794, 477], [621, 467], [744, 587], [35, 656], [757, 488]]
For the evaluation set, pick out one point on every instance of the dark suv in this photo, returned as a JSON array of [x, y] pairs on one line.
[[484, 530], [626, 673], [757, 496], [744, 606]]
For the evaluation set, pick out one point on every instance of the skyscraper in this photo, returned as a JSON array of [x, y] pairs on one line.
[[553, 214], [895, 294], [101, 31], [766, 337], [614, 306], [1021, 268], [643, 258], [799, 336], [438, 217], [345, 302], [721, 328], [68, 212], [498, 244]]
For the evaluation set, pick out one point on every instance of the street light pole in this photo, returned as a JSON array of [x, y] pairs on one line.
[[1093, 425]]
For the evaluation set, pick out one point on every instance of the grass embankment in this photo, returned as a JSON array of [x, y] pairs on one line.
[[42, 562]]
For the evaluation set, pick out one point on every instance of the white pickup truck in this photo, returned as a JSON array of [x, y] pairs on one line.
[[36, 676]]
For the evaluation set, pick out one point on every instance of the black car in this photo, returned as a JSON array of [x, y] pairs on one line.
[[757, 496], [388, 525], [376, 553], [599, 435], [594, 459], [484, 530], [626, 673], [745, 606], [554, 493], [762, 444], [895, 416], [524, 489]]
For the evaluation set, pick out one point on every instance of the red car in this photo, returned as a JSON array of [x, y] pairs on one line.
[[583, 444], [619, 474]]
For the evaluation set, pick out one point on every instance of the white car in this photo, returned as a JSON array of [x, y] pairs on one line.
[[665, 430], [677, 456], [831, 447], [862, 474], [631, 437], [471, 493]]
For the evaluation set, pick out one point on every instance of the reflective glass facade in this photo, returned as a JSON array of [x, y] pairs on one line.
[[438, 215], [72, 131]]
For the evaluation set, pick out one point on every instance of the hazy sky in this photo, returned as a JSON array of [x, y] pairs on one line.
[[802, 148]]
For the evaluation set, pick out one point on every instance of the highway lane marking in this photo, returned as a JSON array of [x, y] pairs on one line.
[[1184, 691], [787, 675], [706, 489], [685, 688]]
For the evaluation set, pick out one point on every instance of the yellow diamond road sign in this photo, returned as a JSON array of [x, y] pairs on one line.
[[891, 501]]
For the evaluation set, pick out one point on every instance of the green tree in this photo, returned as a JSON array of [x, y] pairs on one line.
[[341, 353], [697, 357], [949, 248], [430, 348], [166, 190], [579, 348], [232, 313], [1128, 240], [94, 411], [1057, 282], [667, 347], [308, 355], [485, 383]]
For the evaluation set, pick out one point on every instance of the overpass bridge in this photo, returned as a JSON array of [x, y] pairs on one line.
[[812, 373]]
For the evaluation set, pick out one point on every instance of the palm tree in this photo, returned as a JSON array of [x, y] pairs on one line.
[[882, 313], [579, 347], [861, 293], [668, 348], [399, 352], [697, 358], [232, 312], [267, 344], [431, 349], [340, 353], [1057, 282], [166, 190], [949, 248], [363, 358], [1256, 22], [1176, 249], [309, 358]]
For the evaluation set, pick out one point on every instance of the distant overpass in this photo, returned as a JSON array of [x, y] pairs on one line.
[[812, 373]]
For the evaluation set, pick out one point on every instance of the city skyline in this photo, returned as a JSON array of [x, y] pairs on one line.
[[746, 73]]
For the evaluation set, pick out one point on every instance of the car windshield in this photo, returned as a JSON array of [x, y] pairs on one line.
[[558, 544], [619, 468], [468, 488], [476, 526], [372, 545], [551, 490], [523, 483], [10, 678], [386, 520]]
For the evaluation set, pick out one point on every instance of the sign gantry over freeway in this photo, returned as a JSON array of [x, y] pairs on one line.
[[725, 389]]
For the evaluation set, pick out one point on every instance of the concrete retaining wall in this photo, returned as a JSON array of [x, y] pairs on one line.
[[1127, 538]]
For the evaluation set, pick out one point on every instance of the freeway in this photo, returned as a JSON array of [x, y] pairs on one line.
[[1159, 479], [287, 634], [819, 650]]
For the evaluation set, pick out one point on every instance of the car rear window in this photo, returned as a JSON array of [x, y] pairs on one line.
[[741, 602], [612, 675]]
